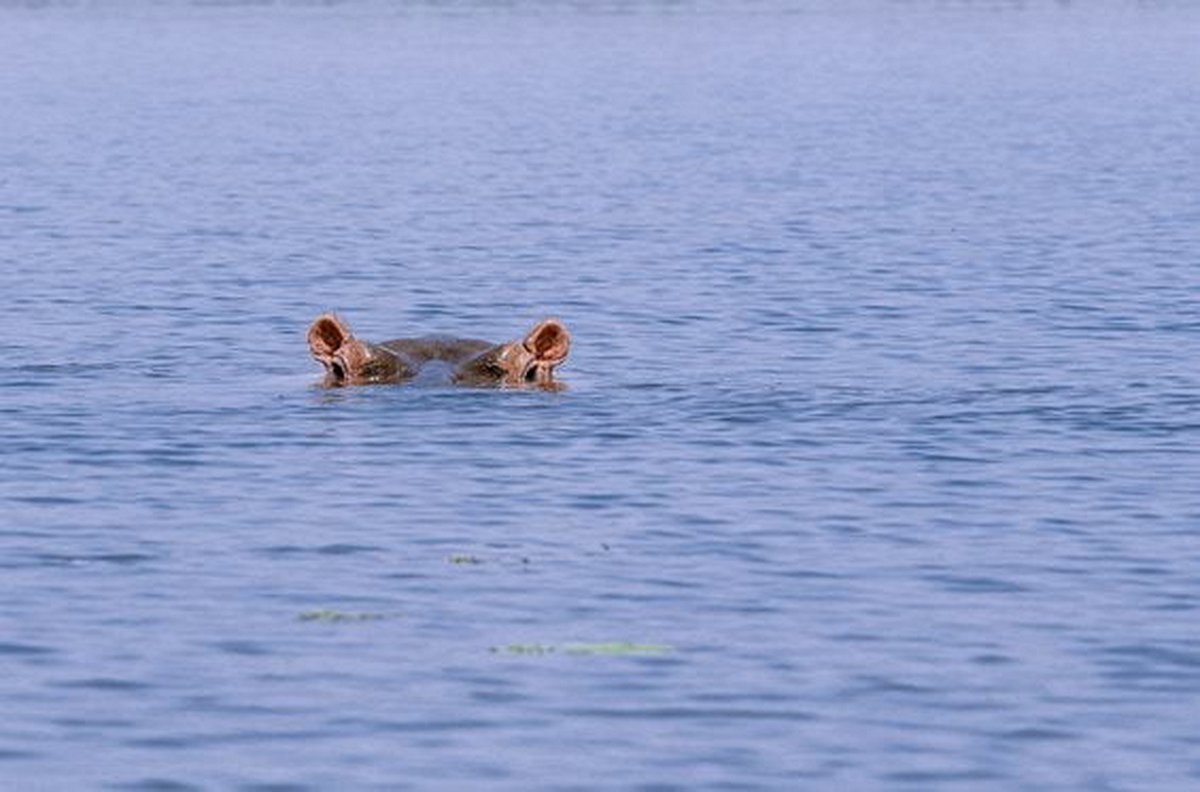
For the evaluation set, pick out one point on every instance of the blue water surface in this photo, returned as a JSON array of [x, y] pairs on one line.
[[878, 466]]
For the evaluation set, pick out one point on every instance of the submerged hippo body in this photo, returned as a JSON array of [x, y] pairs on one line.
[[526, 363]]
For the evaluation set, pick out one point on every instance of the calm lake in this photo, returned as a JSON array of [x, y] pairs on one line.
[[878, 466]]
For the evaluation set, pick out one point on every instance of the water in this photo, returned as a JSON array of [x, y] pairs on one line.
[[878, 464]]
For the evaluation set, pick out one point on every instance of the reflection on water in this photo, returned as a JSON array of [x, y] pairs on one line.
[[876, 465]]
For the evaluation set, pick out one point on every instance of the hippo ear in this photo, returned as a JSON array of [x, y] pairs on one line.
[[327, 335], [549, 342]]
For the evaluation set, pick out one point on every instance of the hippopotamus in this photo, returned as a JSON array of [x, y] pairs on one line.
[[528, 363]]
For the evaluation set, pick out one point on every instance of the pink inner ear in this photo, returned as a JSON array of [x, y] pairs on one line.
[[326, 336], [549, 341]]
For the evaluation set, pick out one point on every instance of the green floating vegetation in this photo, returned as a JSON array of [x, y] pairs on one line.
[[615, 649], [339, 616], [523, 649], [618, 649]]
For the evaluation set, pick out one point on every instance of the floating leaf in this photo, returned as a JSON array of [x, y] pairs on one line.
[[524, 649], [339, 616], [614, 649]]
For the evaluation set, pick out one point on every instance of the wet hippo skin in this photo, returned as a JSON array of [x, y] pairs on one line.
[[528, 363]]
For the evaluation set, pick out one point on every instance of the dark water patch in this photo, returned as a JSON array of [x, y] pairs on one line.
[[599, 501], [871, 685], [98, 723], [249, 736], [115, 559], [416, 726], [24, 650], [1163, 669], [921, 778], [501, 698], [1155, 655], [163, 742], [1175, 601], [243, 648], [1038, 734], [104, 684], [1147, 570], [857, 637], [155, 785], [17, 755], [720, 697], [335, 549], [709, 715], [341, 549], [992, 659], [967, 584], [10, 374]]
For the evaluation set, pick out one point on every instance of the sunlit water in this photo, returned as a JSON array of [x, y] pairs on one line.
[[878, 465]]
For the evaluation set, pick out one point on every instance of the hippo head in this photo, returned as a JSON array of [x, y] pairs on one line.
[[522, 364], [349, 361]]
